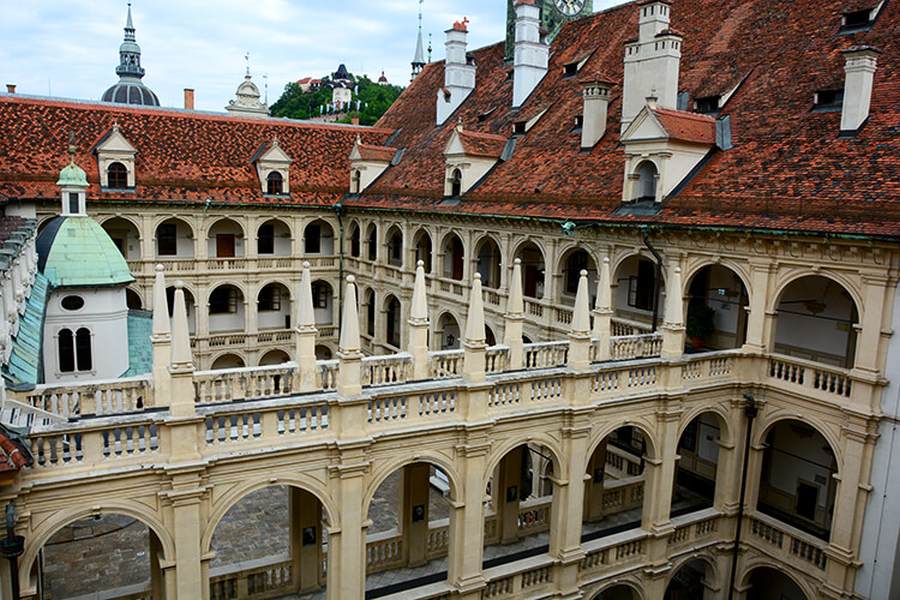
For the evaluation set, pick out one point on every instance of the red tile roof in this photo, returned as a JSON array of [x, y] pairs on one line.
[[378, 153], [788, 168], [686, 126], [181, 156], [482, 144]]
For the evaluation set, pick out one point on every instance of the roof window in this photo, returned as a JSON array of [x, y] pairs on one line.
[[708, 105], [483, 116], [570, 69], [519, 127], [828, 100], [579, 123], [857, 20]]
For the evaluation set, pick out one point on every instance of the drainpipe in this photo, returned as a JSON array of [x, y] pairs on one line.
[[750, 411], [339, 211], [645, 234], [11, 548]]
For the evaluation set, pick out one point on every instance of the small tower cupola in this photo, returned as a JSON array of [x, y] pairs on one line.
[[530, 54], [247, 102], [459, 72], [130, 89], [73, 187], [859, 66], [652, 62]]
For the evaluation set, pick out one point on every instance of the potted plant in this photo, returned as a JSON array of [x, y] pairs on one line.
[[700, 323]]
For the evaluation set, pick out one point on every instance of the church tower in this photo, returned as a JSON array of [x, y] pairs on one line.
[[554, 14], [418, 61], [130, 89]]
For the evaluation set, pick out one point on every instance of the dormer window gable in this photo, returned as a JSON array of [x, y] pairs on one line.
[[115, 161], [273, 167], [367, 163], [662, 148], [859, 15], [468, 158]]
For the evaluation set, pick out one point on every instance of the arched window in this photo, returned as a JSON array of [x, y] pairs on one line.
[[274, 183], [456, 183], [83, 349], [646, 181], [355, 242], [66, 344], [355, 182], [116, 176]]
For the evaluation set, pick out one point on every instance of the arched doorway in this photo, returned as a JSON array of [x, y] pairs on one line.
[[797, 480], [395, 247], [372, 242], [289, 535], [533, 270], [318, 238], [274, 357], [637, 293], [697, 467], [765, 583], [454, 257], [273, 305], [646, 176], [125, 236], [228, 361], [615, 485], [323, 302], [174, 239], [422, 241], [273, 238], [411, 520], [448, 332], [109, 552], [619, 591], [226, 309], [717, 309], [691, 581], [815, 320], [225, 239], [392, 321], [487, 262], [572, 263]]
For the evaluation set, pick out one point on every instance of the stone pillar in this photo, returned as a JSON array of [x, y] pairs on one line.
[[659, 473], [673, 325], [306, 539], [760, 276], [347, 553], [467, 522], [593, 493], [190, 581], [474, 347], [580, 332], [568, 504], [603, 313], [161, 340], [729, 464], [508, 491], [157, 577], [349, 380], [418, 325], [181, 369], [305, 333], [514, 318], [872, 312], [251, 310], [414, 512]]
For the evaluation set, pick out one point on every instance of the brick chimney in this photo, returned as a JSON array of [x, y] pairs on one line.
[[652, 62], [354, 120], [860, 63], [10, 88], [596, 103], [459, 75], [188, 99], [530, 54]]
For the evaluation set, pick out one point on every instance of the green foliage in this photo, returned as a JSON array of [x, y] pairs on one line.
[[374, 101]]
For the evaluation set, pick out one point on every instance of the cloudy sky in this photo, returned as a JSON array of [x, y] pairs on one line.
[[69, 48]]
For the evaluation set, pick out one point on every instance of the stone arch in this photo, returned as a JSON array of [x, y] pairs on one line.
[[703, 557], [569, 272], [263, 243], [275, 356], [441, 326], [629, 583], [225, 219], [453, 265], [224, 358], [371, 241], [323, 243], [430, 457], [43, 532], [325, 350], [715, 312], [492, 269], [533, 280], [395, 245], [652, 450], [508, 446], [132, 295], [245, 488], [765, 563], [232, 283], [770, 420], [393, 320], [726, 430], [354, 238], [794, 275], [697, 263], [177, 222], [423, 245]]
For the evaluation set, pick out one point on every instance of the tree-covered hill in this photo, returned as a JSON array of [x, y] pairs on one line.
[[374, 101]]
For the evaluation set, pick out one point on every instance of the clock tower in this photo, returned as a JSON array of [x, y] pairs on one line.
[[554, 14]]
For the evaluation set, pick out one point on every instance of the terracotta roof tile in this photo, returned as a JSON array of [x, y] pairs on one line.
[[482, 144], [686, 126], [377, 153]]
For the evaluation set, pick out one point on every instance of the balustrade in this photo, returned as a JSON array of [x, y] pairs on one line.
[[802, 549], [829, 382]]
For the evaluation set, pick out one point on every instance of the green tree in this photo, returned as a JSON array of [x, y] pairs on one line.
[[374, 100]]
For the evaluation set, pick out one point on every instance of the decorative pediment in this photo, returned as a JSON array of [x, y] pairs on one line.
[[273, 165], [367, 163], [115, 160], [469, 156], [644, 127]]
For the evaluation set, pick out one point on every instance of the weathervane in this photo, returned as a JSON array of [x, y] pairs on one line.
[[247, 60]]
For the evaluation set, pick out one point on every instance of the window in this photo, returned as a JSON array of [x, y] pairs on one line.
[[645, 187], [265, 239], [116, 176], [354, 242], [370, 314], [856, 20], [270, 298], [83, 349], [828, 100], [167, 240], [66, 343], [73, 203], [313, 239], [372, 243], [708, 105], [321, 293], [519, 127], [456, 183], [355, 182], [274, 183], [642, 289], [579, 124], [72, 302], [223, 300], [570, 69]]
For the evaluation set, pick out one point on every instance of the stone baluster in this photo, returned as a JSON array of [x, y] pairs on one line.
[[161, 340], [580, 332], [418, 325], [514, 318], [603, 312], [305, 334]]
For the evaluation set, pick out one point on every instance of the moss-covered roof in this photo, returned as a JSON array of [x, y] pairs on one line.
[[75, 251]]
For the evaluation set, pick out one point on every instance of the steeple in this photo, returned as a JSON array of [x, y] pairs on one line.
[[418, 61], [130, 89]]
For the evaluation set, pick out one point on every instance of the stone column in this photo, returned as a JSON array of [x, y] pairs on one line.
[[414, 511], [659, 472], [190, 580], [347, 551], [514, 318], [603, 313], [568, 505], [305, 334], [305, 512], [868, 345], [760, 276], [596, 471], [418, 326], [251, 310], [467, 522], [729, 464]]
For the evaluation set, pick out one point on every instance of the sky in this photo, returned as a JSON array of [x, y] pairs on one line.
[[69, 48]]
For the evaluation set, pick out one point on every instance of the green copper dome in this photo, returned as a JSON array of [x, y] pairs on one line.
[[72, 175], [76, 251]]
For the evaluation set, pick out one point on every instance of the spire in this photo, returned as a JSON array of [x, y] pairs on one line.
[[475, 318], [130, 89], [161, 325], [129, 26], [419, 310], [516, 304], [418, 325], [181, 337], [581, 318], [129, 52], [418, 60], [349, 342], [307, 317], [515, 314]]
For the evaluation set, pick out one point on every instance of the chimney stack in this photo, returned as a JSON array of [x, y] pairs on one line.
[[652, 62], [459, 75], [354, 120], [188, 99], [860, 63], [10, 88], [596, 103], [530, 55]]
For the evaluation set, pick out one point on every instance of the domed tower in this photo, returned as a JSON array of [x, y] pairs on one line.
[[86, 322], [130, 89]]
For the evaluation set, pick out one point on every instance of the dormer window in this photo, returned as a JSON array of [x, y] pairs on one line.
[[456, 183], [519, 128], [117, 176], [708, 105], [355, 179], [570, 69], [646, 177], [861, 19], [828, 100], [274, 184], [579, 123]]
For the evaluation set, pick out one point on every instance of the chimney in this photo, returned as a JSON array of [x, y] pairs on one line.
[[10, 88], [859, 65], [354, 120], [652, 62], [530, 55], [459, 75], [596, 103], [188, 99]]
